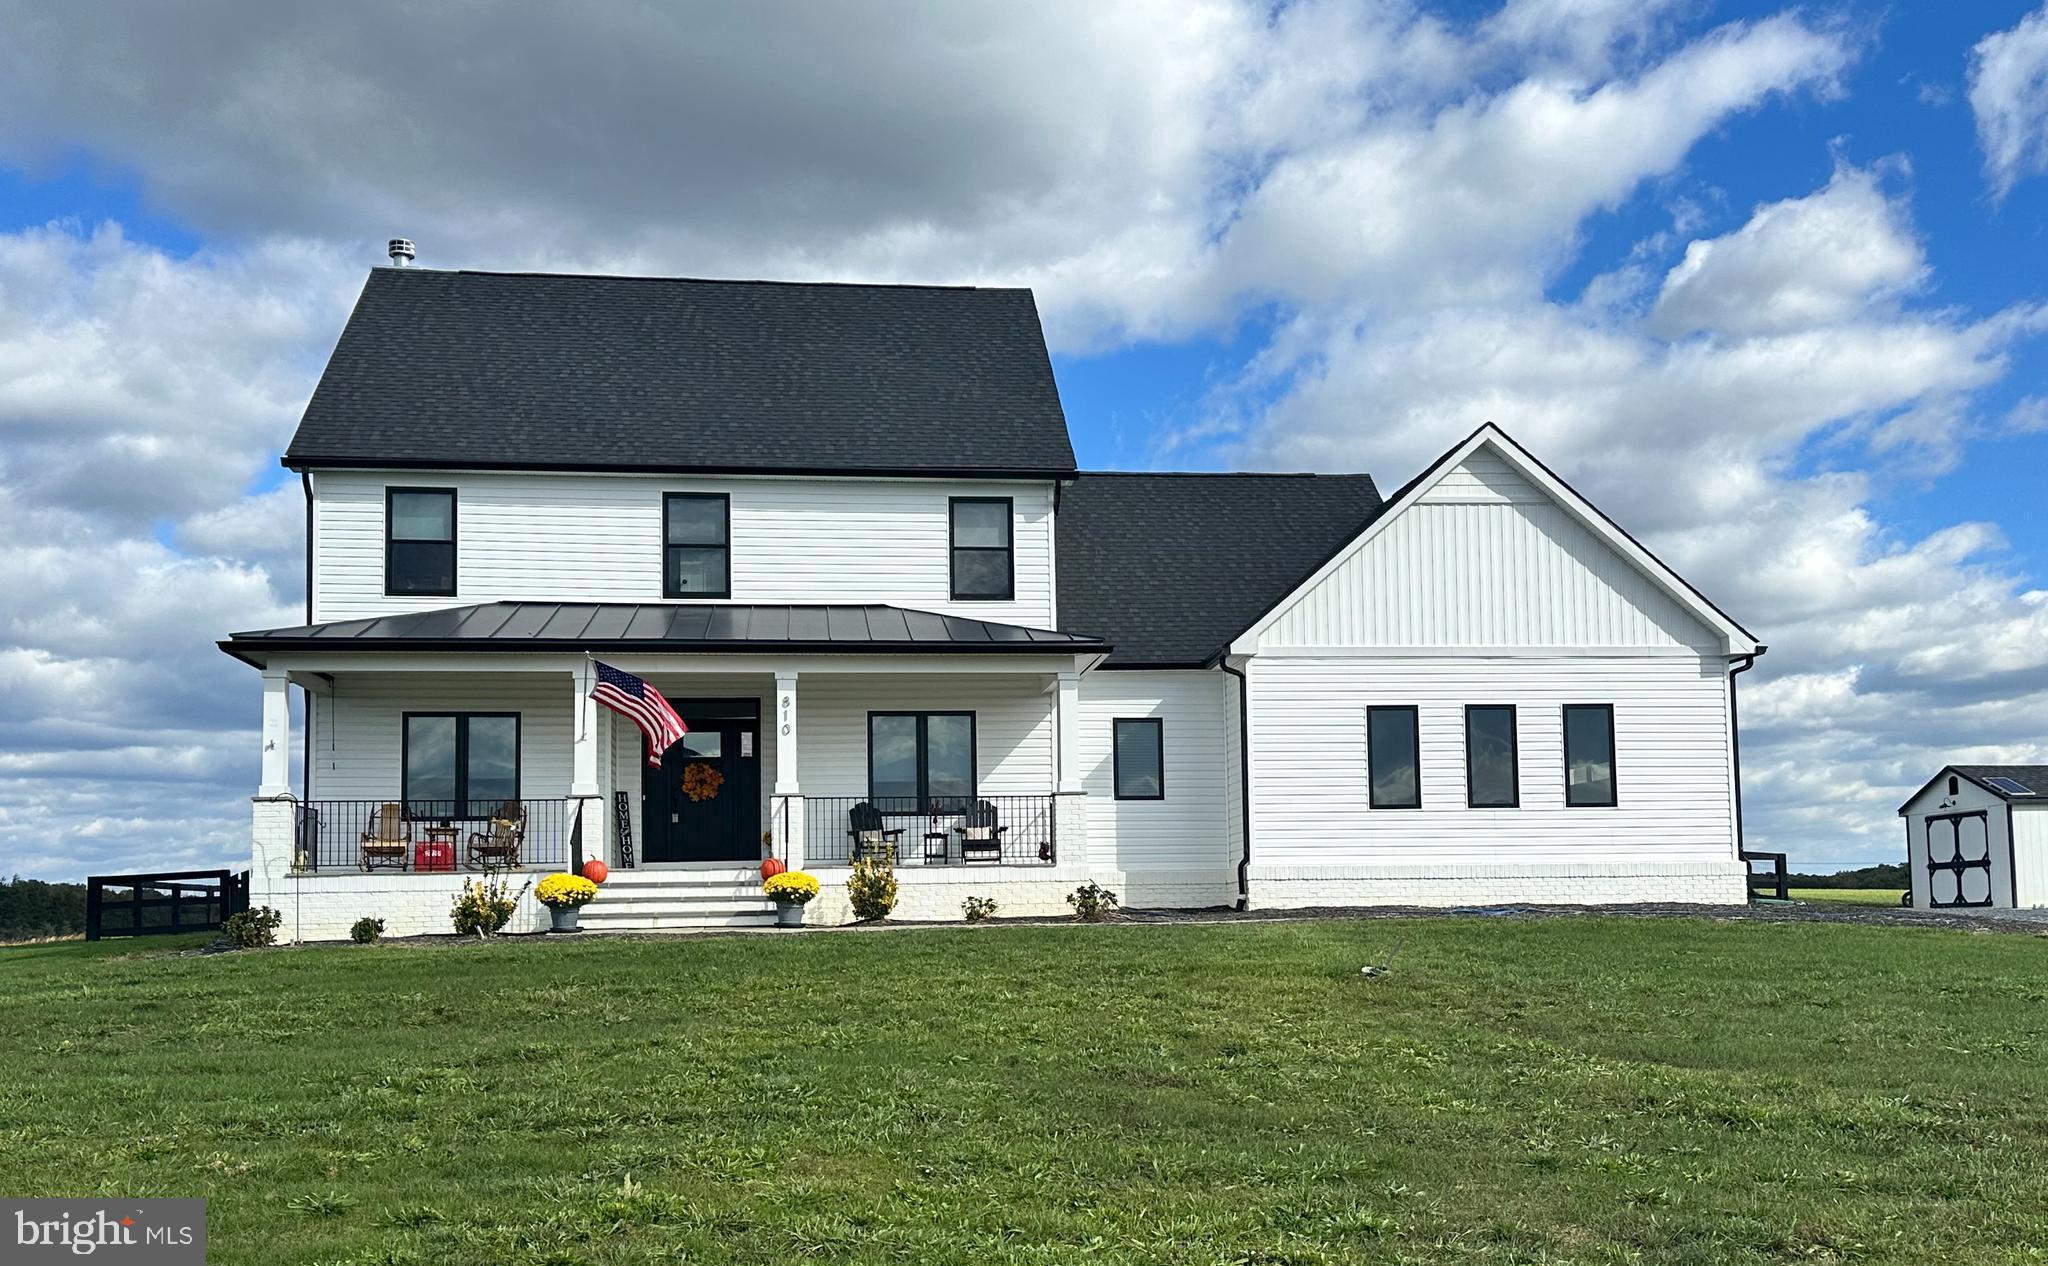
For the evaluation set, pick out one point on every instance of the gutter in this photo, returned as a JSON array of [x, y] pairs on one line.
[[1735, 737], [1244, 783]]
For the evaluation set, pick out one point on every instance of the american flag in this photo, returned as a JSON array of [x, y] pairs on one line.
[[641, 704]]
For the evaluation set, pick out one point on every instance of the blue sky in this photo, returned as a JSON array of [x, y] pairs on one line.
[[1764, 281]]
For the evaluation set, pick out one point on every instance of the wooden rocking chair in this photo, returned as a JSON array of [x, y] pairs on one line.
[[385, 843], [498, 848]]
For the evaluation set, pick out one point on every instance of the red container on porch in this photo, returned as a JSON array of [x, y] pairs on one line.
[[433, 855]]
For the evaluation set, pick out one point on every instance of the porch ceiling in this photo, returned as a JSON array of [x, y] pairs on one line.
[[628, 626]]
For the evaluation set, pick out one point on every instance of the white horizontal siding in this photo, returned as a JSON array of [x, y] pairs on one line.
[[1193, 827], [1485, 559], [1309, 789], [358, 728], [1013, 727], [596, 538]]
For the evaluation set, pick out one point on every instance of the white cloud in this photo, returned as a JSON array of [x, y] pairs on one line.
[[2009, 93], [1401, 186]]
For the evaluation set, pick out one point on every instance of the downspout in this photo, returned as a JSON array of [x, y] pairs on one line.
[[1244, 783], [306, 748], [1735, 738]]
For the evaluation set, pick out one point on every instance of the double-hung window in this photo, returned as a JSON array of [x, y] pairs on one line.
[[1492, 772], [1589, 755], [419, 541], [460, 764], [921, 761], [1392, 758], [696, 551], [984, 564], [1138, 757]]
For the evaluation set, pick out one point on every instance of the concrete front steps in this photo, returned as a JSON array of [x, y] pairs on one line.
[[679, 900]]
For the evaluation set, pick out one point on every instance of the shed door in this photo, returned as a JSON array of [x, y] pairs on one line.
[[1959, 859]]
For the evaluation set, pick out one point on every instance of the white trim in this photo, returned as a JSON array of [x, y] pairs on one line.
[[642, 663], [1485, 652], [1492, 437]]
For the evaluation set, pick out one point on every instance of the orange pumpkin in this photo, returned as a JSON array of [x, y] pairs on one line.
[[771, 868], [596, 871]]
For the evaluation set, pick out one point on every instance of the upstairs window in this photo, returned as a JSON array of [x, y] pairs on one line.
[[1492, 772], [983, 563], [1392, 758], [419, 541], [1138, 758], [1589, 755], [696, 545]]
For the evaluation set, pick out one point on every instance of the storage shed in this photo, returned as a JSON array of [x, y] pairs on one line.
[[1977, 835]]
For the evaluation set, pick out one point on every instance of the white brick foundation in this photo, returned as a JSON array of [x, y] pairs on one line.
[[1296, 886]]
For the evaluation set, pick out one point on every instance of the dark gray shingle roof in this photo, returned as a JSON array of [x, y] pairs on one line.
[[1169, 568], [502, 370], [2033, 776], [630, 626]]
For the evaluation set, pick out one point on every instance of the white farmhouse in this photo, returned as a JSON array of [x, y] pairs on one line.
[[1977, 836], [841, 528]]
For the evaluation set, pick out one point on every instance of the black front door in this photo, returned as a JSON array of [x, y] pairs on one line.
[[721, 824]]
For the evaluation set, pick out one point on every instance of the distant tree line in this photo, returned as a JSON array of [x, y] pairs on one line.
[[33, 907], [1883, 875]]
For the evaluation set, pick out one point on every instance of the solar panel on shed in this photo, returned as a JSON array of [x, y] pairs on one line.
[[2010, 786]]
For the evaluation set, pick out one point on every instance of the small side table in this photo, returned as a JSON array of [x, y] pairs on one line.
[[935, 843]]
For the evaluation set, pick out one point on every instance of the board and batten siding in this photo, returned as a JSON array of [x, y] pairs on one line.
[[1486, 559], [598, 538], [1191, 833], [2030, 854]]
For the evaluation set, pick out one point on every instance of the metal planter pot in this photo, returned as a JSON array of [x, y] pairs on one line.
[[564, 919], [789, 914]]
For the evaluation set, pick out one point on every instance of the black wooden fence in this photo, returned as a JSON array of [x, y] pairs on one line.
[[170, 901]]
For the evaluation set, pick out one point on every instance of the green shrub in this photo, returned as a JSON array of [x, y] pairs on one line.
[[978, 908], [252, 928], [366, 931], [872, 889], [1092, 902], [483, 909]]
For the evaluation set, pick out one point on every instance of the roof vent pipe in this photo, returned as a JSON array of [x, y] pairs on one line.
[[401, 252]]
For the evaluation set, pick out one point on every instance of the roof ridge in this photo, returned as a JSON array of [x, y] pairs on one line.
[[1232, 474], [705, 281]]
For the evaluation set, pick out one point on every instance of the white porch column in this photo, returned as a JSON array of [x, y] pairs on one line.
[[787, 803], [277, 734], [1069, 734], [583, 765]]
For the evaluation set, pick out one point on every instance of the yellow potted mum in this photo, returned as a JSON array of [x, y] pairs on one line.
[[790, 891], [564, 895]]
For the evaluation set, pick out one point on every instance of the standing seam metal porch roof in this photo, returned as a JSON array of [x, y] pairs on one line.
[[628, 626]]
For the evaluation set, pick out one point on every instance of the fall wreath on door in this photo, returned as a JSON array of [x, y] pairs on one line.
[[701, 782]]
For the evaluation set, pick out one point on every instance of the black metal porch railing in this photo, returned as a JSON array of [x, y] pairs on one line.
[[951, 831], [430, 836]]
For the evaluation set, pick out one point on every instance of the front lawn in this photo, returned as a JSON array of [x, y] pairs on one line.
[[1583, 1090]]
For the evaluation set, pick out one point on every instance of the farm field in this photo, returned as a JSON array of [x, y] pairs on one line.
[[1849, 896], [1543, 1090]]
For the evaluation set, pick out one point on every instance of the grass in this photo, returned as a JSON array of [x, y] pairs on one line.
[[1562, 1090], [1849, 896]]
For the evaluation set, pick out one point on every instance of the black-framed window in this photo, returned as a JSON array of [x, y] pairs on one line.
[[1589, 755], [460, 764], [1138, 758], [419, 541], [1393, 757], [1492, 766], [696, 549], [984, 559], [920, 759]]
